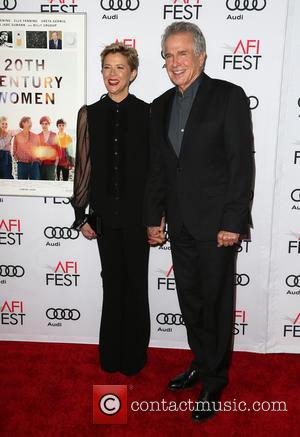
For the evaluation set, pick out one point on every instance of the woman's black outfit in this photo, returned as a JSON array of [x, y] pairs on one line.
[[110, 174]]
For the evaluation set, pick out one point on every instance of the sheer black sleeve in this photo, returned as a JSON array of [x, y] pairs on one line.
[[80, 198]]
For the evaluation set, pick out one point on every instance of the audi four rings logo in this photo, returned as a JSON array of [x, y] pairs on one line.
[[241, 279], [293, 281], [11, 271], [169, 319], [8, 5], [253, 102], [295, 195], [62, 314], [246, 5], [61, 233], [120, 5]]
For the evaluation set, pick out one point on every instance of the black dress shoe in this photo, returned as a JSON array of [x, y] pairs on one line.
[[184, 380], [207, 405]]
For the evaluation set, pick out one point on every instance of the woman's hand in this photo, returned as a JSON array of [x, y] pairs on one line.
[[88, 232]]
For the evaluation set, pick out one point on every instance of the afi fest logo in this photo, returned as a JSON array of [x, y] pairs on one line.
[[60, 6], [56, 200], [296, 156], [239, 326], [292, 329], [294, 245], [65, 275], [8, 5], [182, 9], [129, 42], [12, 313], [166, 282], [10, 232], [246, 55]]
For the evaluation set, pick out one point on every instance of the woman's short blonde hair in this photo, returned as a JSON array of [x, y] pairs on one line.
[[130, 54]]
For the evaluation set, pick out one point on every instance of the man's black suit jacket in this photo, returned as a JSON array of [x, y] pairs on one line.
[[208, 187], [52, 44]]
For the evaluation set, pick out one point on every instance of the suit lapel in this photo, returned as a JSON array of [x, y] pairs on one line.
[[167, 115], [198, 110]]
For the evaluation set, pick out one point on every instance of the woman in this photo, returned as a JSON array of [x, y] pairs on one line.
[[5, 150], [49, 152], [66, 161], [26, 150], [110, 172]]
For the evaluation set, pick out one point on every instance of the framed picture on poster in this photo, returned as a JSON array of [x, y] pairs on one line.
[[42, 87]]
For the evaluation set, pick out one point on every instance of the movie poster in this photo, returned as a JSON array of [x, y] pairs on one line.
[[42, 87]]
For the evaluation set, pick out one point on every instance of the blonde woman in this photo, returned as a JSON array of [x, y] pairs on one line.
[[6, 137], [110, 174]]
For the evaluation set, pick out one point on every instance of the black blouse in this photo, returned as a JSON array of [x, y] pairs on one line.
[[112, 161]]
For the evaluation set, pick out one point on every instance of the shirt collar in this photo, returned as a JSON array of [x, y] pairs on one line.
[[191, 90]]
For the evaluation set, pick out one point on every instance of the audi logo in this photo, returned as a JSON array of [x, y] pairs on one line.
[[246, 5], [253, 102], [11, 271], [8, 5], [241, 279], [295, 195], [119, 5], [293, 281], [62, 314], [169, 319], [61, 233]]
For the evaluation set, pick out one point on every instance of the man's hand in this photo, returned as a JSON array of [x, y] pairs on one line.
[[156, 234], [225, 238], [88, 232]]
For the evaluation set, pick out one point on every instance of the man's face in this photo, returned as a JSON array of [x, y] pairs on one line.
[[54, 36], [183, 65], [61, 127]]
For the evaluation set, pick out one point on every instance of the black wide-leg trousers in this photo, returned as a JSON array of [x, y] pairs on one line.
[[204, 275], [125, 320]]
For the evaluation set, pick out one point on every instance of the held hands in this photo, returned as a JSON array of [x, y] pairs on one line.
[[88, 232], [225, 238], [156, 234]]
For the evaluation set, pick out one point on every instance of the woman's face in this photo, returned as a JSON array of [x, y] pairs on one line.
[[117, 75], [27, 124], [4, 125], [45, 125], [61, 127]]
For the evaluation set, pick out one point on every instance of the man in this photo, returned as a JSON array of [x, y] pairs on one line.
[[55, 42], [200, 179]]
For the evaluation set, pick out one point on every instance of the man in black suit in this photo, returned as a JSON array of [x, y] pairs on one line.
[[200, 182], [55, 42]]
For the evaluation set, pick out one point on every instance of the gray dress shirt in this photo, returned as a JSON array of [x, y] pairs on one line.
[[181, 108]]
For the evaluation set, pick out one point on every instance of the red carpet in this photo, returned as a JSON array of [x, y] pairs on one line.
[[46, 390]]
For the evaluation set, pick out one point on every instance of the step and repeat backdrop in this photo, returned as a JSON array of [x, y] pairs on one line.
[[50, 275]]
